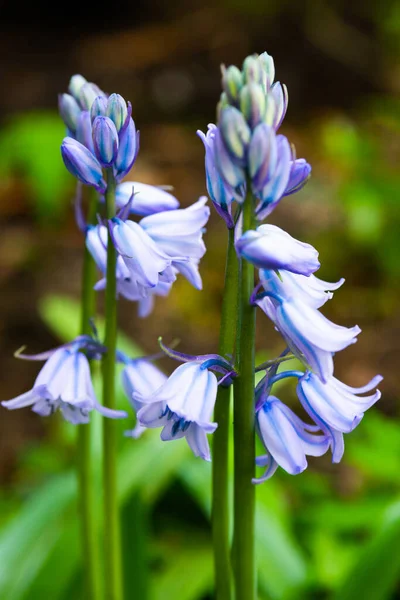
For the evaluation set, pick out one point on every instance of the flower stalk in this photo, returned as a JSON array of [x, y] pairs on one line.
[[244, 431], [90, 544], [112, 545], [220, 465]]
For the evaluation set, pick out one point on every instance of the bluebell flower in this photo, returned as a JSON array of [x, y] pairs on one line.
[[148, 199], [146, 262], [270, 167], [221, 193], [183, 407], [309, 289], [310, 335], [269, 247], [64, 383], [96, 242], [82, 164], [179, 233], [287, 439], [140, 376], [336, 407]]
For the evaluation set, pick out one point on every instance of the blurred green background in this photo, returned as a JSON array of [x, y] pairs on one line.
[[332, 532]]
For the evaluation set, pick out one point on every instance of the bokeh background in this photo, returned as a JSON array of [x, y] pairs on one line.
[[332, 532]]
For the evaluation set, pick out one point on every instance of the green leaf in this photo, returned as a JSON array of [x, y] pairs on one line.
[[376, 572], [188, 574], [281, 564]]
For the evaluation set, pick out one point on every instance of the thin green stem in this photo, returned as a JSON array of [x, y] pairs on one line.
[[90, 547], [220, 465], [112, 551], [244, 432]]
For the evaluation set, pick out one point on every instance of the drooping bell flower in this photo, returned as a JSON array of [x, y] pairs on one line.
[[64, 383], [269, 247], [287, 439]]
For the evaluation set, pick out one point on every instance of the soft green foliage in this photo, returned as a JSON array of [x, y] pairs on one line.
[[351, 541], [30, 146]]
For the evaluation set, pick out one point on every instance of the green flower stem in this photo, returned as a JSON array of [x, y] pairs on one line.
[[90, 546], [112, 536], [244, 432], [220, 465]]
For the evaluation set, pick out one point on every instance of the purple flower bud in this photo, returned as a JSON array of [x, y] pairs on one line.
[[117, 110], [269, 247], [69, 110], [229, 170], [105, 140], [99, 108], [268, 69], [84, 130], [75, 85], [88, 94], [82, 164], [235, 132], [263, 155], [252, 103], [276, 110], [299, 175], [253, 70], [232, 82], [128, 150]]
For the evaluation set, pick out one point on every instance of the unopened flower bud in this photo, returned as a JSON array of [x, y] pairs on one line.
[[229, 170], [128, 149], [235, 132], [69, 110], [98, 108], [84, 130], [253, 70], [252, 103], [267, 63], [117, 110], [82, 164], [232, 82], [87, 95], [75, 85], [279, 94], [223, 103], [263, 155], [105, 140]]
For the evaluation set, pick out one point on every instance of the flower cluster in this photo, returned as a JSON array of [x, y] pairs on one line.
[[101, 133], [244, 149], [167, 240], [155, 240]]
